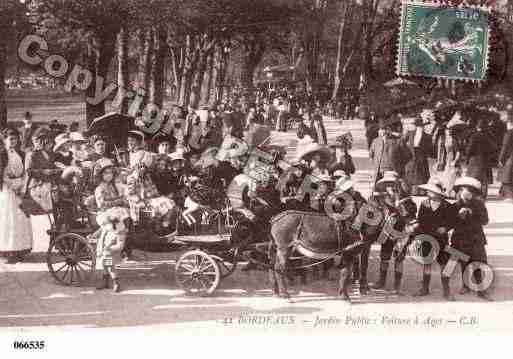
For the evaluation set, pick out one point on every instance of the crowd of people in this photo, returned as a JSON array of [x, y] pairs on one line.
[[190, 165]]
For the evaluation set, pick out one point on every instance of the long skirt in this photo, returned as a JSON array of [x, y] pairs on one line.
[[15, 226]]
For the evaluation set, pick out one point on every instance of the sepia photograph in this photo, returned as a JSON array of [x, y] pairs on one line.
[[337, 168]]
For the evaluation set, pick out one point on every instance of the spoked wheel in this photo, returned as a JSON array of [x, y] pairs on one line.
[[227, 262], [198, 273], [71, 259]]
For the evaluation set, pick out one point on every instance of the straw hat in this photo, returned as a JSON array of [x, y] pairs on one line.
[[434, 185], [77, 137], [136, 134], [60, 141], [176, 156], [388, 177], [322, 178], [314, 148], [101, 165], [340, 173], [41, 132], [467, 182], [343, 184]]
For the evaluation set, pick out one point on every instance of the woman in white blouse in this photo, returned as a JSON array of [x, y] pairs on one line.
[[15, 226]]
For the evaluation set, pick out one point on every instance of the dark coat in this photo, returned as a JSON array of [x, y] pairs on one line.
[[506, 158], [468, 236], [479, 155], [389, 155], [347, 166], [417, 168]]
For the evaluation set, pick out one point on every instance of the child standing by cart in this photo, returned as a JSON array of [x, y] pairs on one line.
[[113, 218]]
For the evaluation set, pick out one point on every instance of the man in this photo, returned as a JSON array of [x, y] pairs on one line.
[[419, 144], [318, 128], [387, 152], [26, 132]]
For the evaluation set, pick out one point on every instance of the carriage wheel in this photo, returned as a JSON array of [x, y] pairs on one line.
[[198, 273], [227, 262], [71, 259]]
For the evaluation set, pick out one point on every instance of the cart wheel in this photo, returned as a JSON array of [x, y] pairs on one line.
[[227, 262], [198, 273], [71, 259]]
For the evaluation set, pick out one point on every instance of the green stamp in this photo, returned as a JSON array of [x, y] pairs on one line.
[[443, 41]]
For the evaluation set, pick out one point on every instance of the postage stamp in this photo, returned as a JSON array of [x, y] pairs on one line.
[[444, 41]]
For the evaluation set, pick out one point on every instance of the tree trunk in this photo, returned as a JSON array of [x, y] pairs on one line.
[[123, 76], [3, 68], [99, 61], [187, 72], [344, 11], [197, 81], [252, 54], [145, 60], [156, 95], [206, 87]]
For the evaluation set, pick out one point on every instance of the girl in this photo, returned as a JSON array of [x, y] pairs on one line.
[[15, 226], [112, 218], [433, 220], [468, 216]]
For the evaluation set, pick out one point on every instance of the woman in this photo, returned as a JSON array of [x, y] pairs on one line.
[[467, 218], [479, 153], [41, 170], [343, 160], [433, 220], [15, 226], [419, 144], [453, 153], [506, 163]]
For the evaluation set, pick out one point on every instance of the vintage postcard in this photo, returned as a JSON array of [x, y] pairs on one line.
[[184, 173]]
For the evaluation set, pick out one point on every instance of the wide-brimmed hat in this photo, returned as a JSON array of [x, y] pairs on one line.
[[388, 177], [9, 131], [136, 134], [307, 151], [101, 165], [343, 184], [469, 182], [77, 137], [340, 173], [434, 185], [343, 141], [176, 156], [60, 141], [41, 132], [322, 178]]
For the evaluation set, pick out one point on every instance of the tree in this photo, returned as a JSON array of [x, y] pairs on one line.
[[12, 20], [96, 24]]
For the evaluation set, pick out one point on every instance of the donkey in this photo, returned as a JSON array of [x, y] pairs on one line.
[[318, 236]]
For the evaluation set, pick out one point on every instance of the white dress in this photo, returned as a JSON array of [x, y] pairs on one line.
[[15, 226]]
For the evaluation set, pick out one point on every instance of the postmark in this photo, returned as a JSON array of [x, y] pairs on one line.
[[442, 41]]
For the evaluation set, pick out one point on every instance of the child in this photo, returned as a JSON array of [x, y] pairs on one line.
[[433, 220], [468, 216], [112, 216], [112, 240]]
